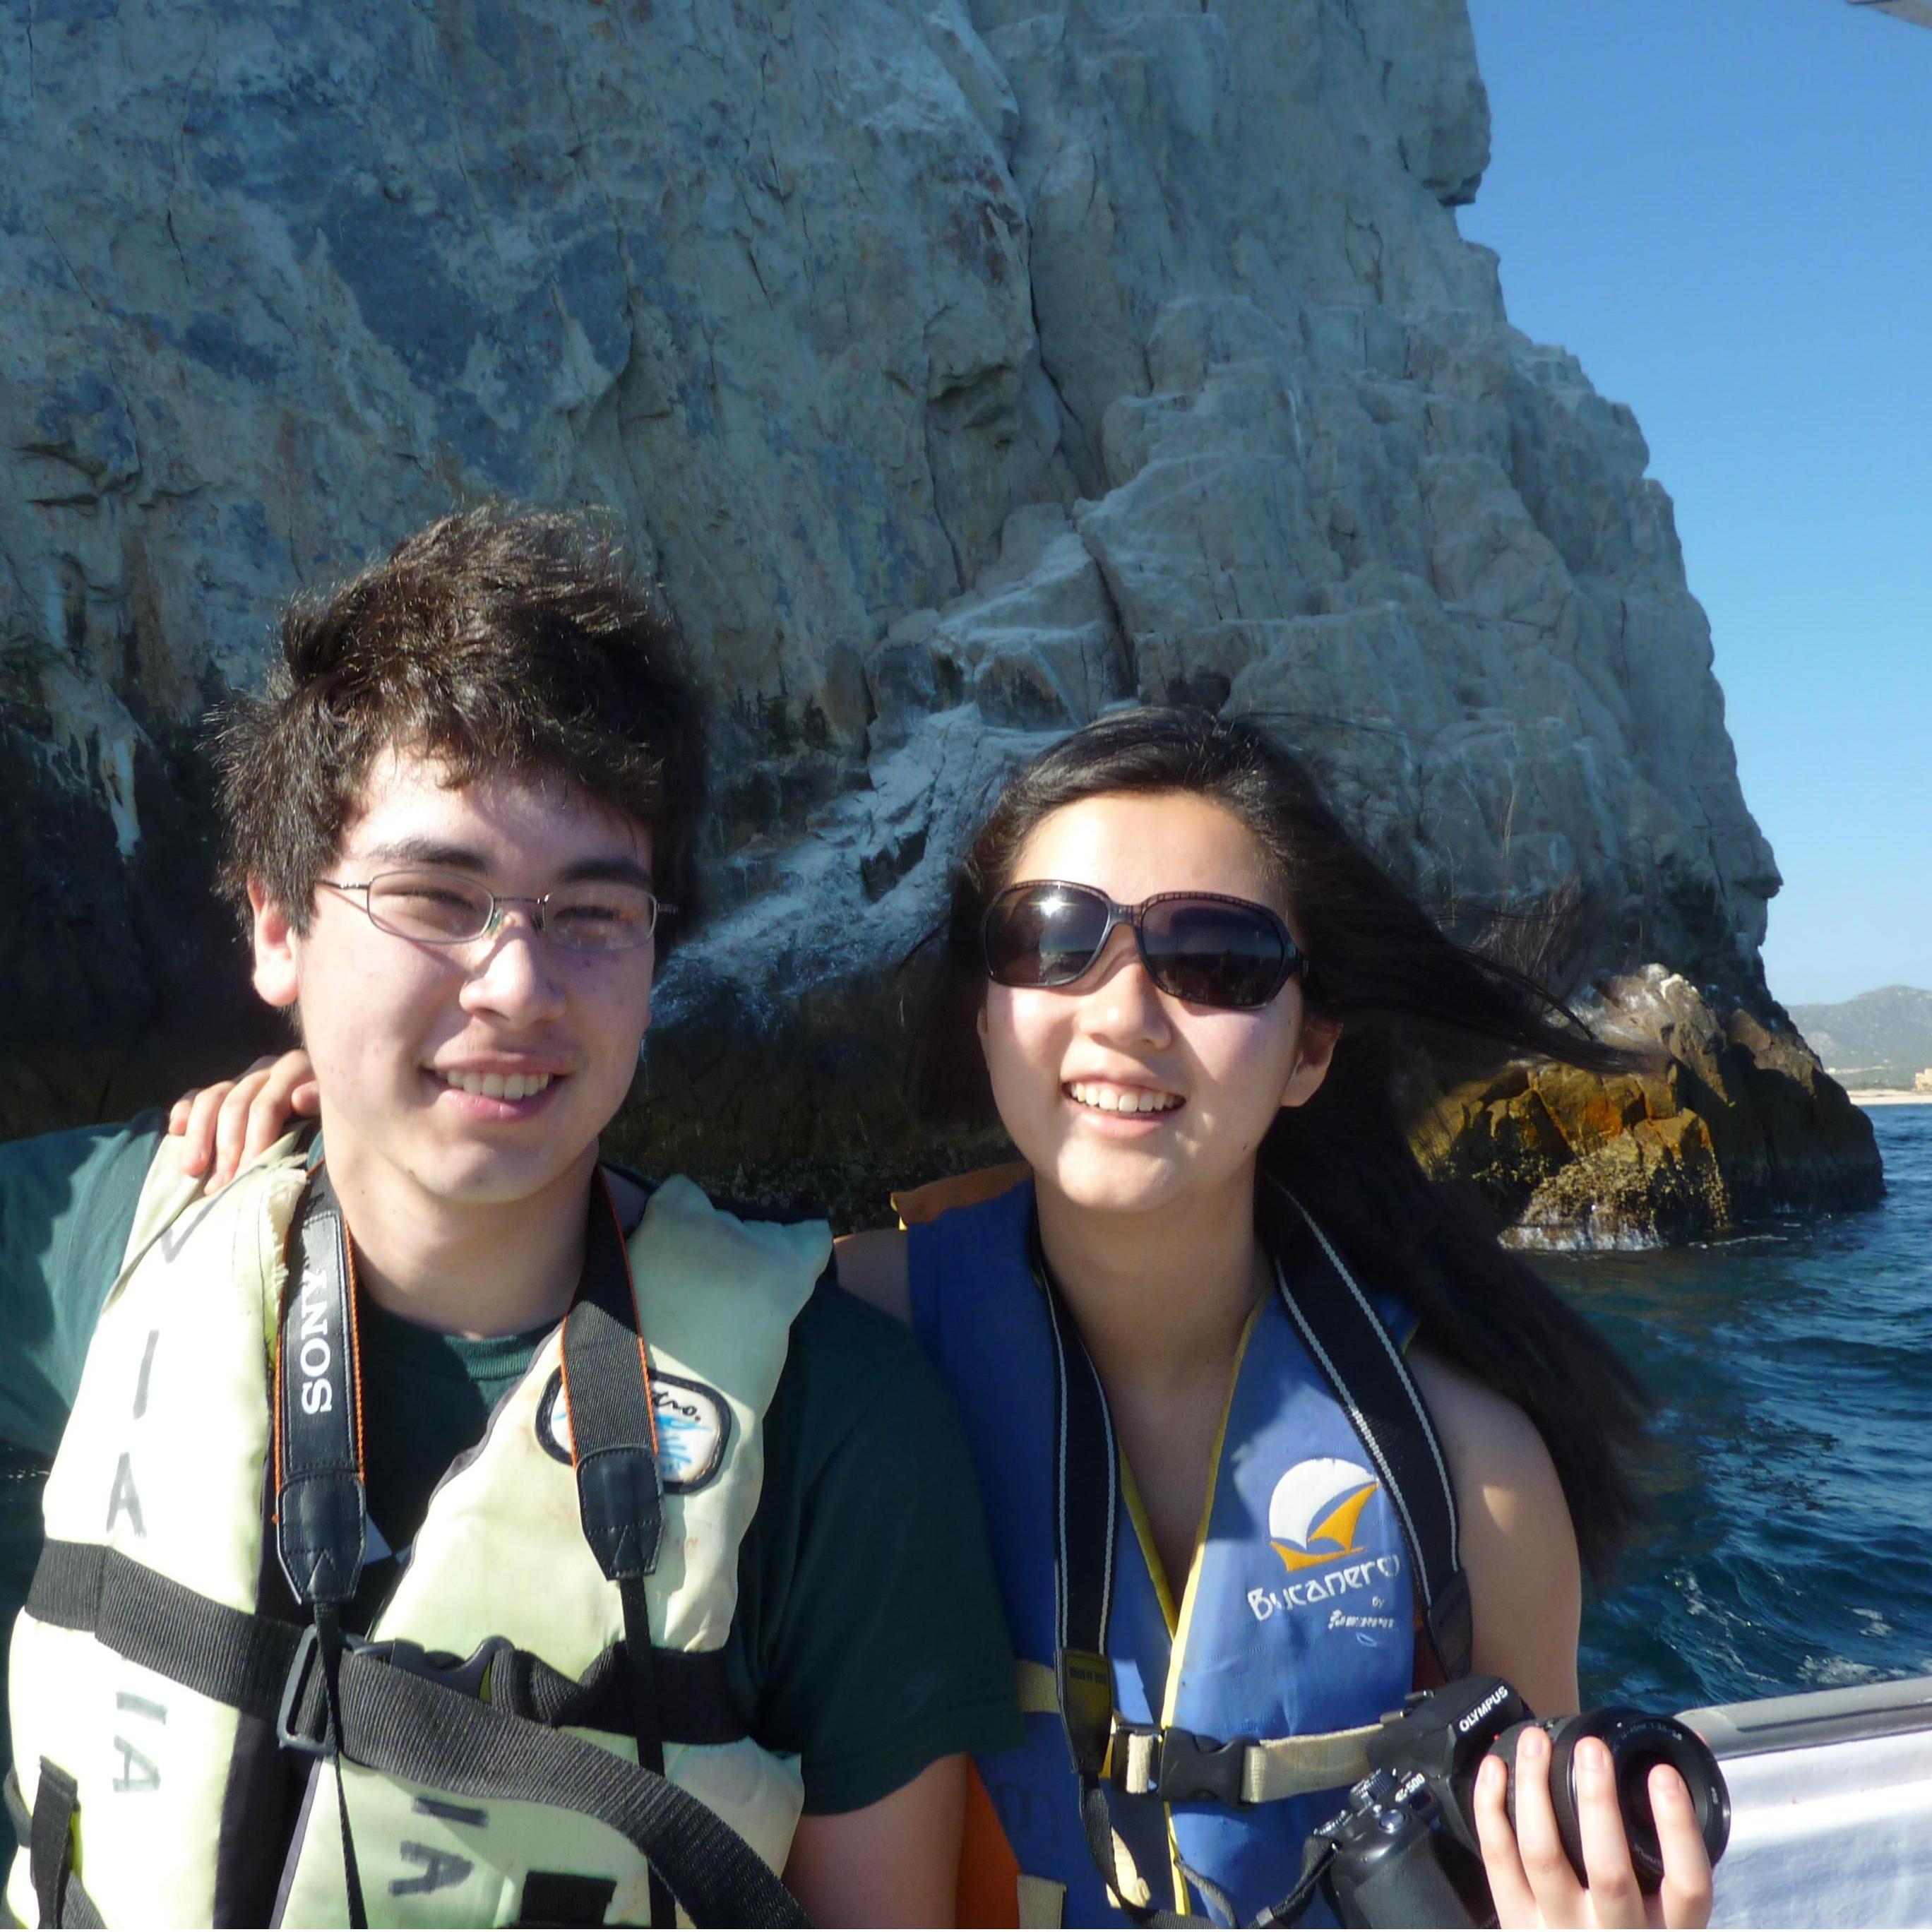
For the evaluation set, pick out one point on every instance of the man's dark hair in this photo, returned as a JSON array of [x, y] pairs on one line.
[[497, 639]]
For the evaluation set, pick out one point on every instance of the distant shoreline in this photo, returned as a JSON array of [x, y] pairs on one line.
[[1888, 1097]]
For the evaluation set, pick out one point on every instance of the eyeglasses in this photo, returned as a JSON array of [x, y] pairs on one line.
[[1202, 947], [448, 908]]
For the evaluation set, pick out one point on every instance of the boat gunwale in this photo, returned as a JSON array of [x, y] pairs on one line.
[[1842, 1715]]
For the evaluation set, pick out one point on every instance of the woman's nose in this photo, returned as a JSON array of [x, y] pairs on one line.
[[1124, 1002]]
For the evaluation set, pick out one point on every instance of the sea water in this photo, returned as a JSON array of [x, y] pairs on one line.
[[1789, 1546]]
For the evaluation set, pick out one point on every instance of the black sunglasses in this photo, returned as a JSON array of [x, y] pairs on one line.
[[1202, 947]]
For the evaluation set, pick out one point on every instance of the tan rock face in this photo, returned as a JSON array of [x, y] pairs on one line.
[[961, 369], [1730, 1121]]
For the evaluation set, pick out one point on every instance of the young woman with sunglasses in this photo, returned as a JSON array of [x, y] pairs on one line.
[[1186, 991]]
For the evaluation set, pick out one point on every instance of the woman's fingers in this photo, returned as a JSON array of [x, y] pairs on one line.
[[223, 1125], [1614, 1898], [1509, 1886], [287, 1089], [192, 1118], [231, 1125], [1560, 1899], [1684, 1897]]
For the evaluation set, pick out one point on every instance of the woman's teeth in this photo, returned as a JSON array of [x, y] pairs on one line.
[[500, 1086], [1122, 1099]]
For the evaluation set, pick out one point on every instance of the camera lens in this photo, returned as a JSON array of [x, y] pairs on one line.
[[1637, 1742]]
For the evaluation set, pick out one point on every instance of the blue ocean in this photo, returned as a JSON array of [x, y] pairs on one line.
[[1790, 1543]]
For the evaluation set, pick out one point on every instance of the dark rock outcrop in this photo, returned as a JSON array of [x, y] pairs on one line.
[[1734, 1120]]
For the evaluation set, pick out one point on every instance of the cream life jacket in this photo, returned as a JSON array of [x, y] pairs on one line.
[[486, 1734]]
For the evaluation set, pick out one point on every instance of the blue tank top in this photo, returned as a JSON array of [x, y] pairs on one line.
[[1297, 1617]]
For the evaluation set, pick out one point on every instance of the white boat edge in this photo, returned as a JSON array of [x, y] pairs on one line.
[[1831, 1806]]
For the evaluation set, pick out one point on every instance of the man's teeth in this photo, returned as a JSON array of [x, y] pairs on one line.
[[500, 1086], [1124, 1099]]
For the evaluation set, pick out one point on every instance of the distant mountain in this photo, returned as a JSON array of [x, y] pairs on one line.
[[1884, 1037]]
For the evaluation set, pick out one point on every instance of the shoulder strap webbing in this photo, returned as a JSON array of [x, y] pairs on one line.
[[1359, 1358], [394, 1715], [1086, 1507], [614, 1446], [48, 1835]]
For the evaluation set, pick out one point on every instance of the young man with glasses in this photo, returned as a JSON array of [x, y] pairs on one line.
[[425, 1483]]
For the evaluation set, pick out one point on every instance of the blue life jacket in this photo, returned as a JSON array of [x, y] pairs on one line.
[[1298, 1616]]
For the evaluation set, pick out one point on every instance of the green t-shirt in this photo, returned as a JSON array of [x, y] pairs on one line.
[[869, 1637]]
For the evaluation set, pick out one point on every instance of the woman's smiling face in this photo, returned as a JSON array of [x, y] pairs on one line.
[[1123, 1098]]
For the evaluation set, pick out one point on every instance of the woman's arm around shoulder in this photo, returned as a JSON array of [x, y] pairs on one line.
[[1518, 1546], [873, 1267]]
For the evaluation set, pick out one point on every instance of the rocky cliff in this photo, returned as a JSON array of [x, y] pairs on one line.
[[961, 368]]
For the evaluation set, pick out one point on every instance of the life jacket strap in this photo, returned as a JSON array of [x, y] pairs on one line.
[[1361, 1363], [1181, 1767], [414, 1715], [47, 1833]]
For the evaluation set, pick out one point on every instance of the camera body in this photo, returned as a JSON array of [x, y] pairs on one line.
[[1394, 1863], [1405, 1848]]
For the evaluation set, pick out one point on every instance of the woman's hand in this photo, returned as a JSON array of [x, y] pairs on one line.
[[1530, 1875], [233, 1120]]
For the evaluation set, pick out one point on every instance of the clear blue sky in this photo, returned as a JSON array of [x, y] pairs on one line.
[[1724, 209]]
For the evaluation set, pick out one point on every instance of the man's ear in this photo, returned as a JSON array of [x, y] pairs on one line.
[[1319, 1039], [276, 977]]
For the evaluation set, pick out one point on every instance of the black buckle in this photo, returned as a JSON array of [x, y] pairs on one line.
[[295, 1689], [469, 1676], [1189, 1769]]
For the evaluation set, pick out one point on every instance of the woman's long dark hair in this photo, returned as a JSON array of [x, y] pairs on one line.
[[1385, 970]]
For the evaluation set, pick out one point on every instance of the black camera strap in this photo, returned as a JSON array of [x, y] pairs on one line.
[[1316, 1858], [321, 1506], [607, 1392]]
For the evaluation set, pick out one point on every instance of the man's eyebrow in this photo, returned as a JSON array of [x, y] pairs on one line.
[[619, 867], [426, 852]]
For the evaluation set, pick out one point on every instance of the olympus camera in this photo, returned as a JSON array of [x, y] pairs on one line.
[[1404, 1851]]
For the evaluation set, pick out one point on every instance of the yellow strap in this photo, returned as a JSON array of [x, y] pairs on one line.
[[1042, 1901], [1039, 1694], [1272, 1767], [1287, 1767]]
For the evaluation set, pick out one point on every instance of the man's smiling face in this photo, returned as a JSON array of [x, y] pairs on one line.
[[404, 1034]]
